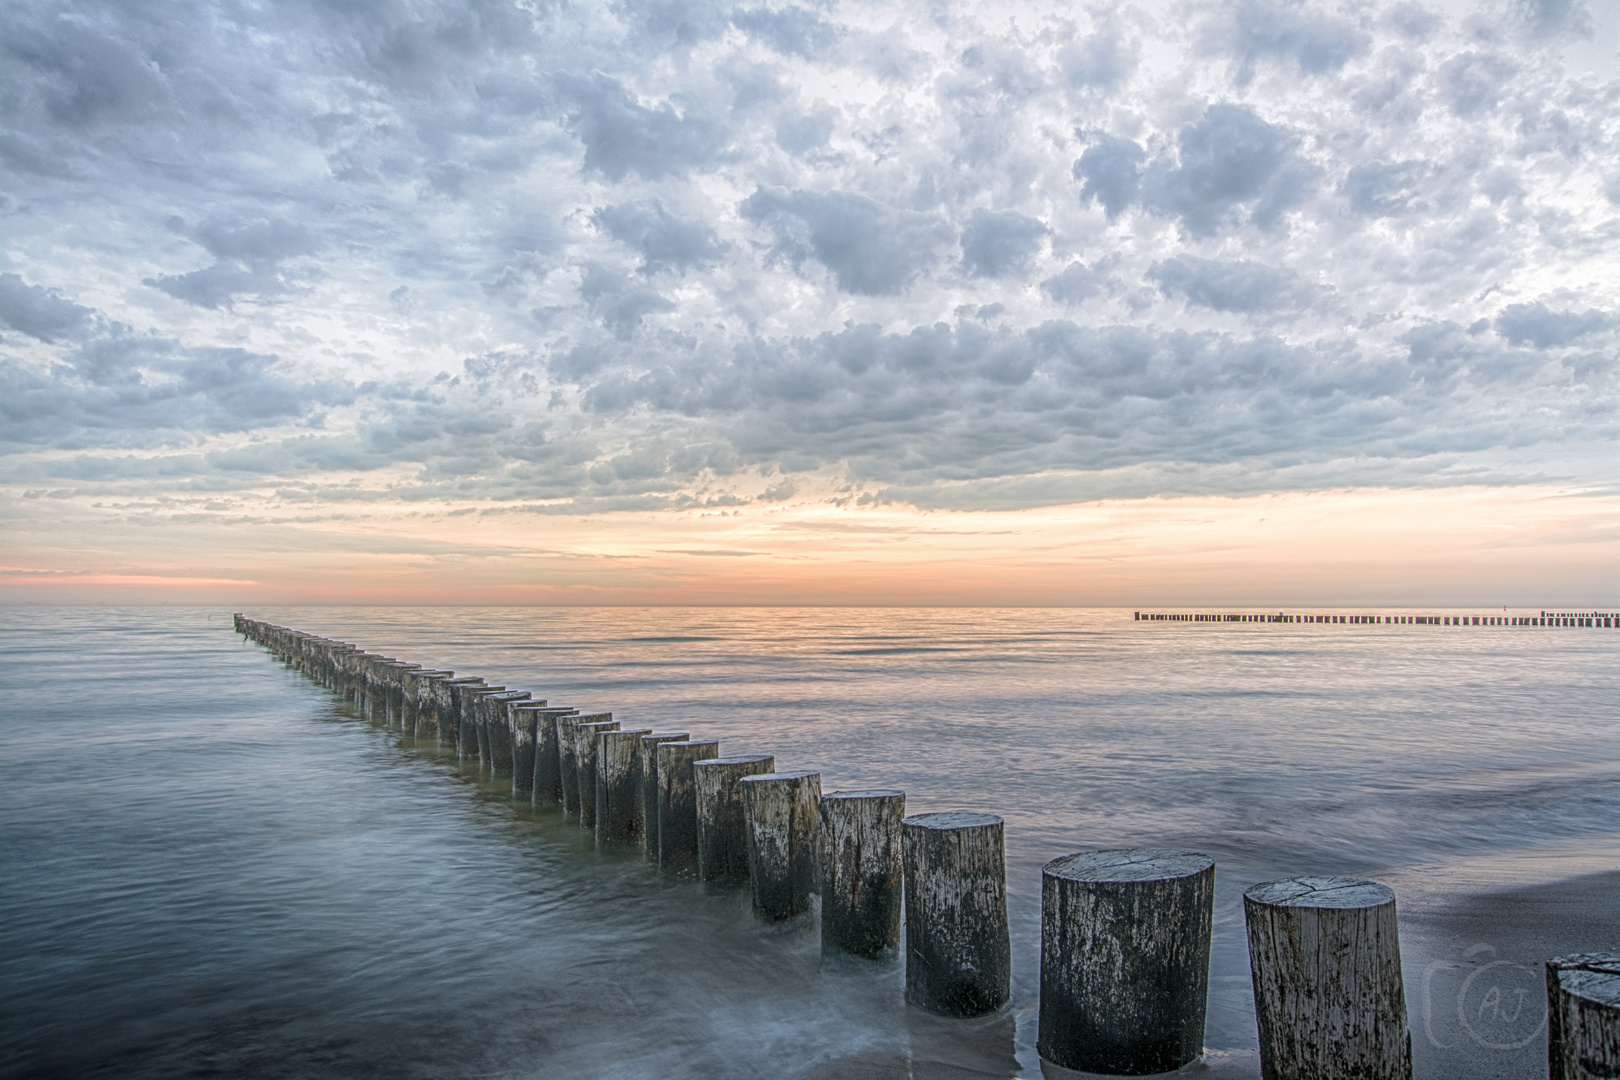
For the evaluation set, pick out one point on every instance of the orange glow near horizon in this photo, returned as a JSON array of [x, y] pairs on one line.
[[1522, 546]]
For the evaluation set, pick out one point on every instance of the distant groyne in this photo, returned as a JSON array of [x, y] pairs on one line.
[[1597, 620], [1125, 934]]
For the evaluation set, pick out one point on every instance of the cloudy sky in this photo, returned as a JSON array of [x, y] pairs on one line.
[[1253, 301]]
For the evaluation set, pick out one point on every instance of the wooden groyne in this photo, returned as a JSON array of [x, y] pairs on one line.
[[1125, 933], [1593, 620]]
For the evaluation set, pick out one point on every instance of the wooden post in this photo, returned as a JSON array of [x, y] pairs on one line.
[[547, 762], [1326, 961], [568, 763], [1125, 959], [617, 793], [525, 721], [468, 745], [647, 777], [723, 818], [677, 802], [495, 730], [861, 871], [585, 748], [784, 837], [958, 948], [1583, 1016]]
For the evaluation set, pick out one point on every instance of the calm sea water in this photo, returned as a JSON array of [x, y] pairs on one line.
[[212, 867]]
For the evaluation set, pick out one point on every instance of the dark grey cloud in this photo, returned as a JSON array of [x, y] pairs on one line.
[[37, 311], [622, 136], [1541, 326], [1110, 172], [1076, 284], [1385, 189], [1311, 40], [1227, 161], [249, 255], [619, 302], [791, 31], [1101, 60], [1240, 286], [124, 390], [1473, 82], [871, 248], [999, 243], [665, 241]]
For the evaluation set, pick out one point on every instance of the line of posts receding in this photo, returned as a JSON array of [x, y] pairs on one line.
[[1125, 934]]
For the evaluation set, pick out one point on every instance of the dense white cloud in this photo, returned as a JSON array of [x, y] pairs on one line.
[[681, 254]]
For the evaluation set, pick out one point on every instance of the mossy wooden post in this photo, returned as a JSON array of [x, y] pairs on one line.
[[469, 745], [415, 694], [568, 764], [455, 691], [585, 748], [861, 871], [958, 948], [784, 838], [1583, 1017], [618, 796], [547, 760], [723, 818], [677, 802], [525, 723], [647, 777], [1125, 959], [495, 731], [1325, 957]]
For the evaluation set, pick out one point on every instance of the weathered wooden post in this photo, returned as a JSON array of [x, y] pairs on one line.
[[585, 747], [861, 871], [722, 818], [1583, 1017], [784, 838], [568, 763], [1125, 959], [958, 947], [1326, 961], [473, 743], [547, 759], [647, 777], [618, 796], [495, 730], [677, 801], [525, 728]]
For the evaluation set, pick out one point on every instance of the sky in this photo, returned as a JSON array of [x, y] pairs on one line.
[[1238, 303]]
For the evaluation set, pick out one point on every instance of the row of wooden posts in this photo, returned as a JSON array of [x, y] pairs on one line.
[[1125, 934], [1601, 620]]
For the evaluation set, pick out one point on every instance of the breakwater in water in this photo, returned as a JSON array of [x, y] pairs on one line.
[[1592, 620], [970, 865]]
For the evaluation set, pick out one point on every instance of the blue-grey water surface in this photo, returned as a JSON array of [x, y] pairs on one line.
[[212, 867]]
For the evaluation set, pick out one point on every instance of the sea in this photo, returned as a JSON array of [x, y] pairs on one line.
[[212, 866]]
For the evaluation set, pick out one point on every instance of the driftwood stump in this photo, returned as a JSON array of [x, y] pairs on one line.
[[861, 871], [1125, 959], [958, 949], [647, 777], [784, 836], [1326, 961], [1583, 1017], [617, 794], [722, 818], [677, 802]]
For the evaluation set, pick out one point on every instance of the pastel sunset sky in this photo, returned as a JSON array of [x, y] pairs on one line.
[[1242, 303]]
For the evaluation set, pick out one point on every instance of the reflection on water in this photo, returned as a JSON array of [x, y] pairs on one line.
[[213, 868]]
